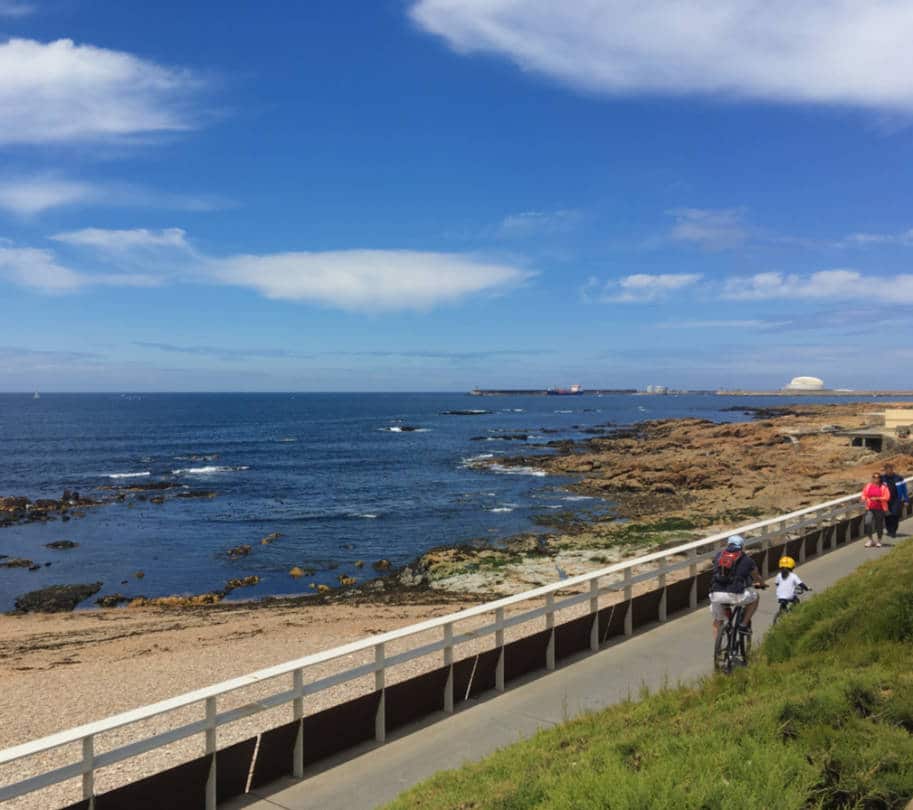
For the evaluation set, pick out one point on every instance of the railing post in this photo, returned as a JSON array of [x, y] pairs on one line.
[[629, 608], [765, 560], [211, 796], [550, 625], [499, 643], [448, 662], [663, 602], [88, 770], [380, 718], [692, 572], [298, 715], [594, 612]]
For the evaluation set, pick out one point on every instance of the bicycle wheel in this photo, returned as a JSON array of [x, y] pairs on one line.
[[722, 658], [744, 647]]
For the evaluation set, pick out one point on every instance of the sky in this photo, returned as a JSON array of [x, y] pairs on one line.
[[433, 195]]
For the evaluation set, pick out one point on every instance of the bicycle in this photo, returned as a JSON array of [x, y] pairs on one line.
[[786, 605], [731, 648]]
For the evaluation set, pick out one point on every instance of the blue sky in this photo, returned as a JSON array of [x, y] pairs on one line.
[[439, 194]]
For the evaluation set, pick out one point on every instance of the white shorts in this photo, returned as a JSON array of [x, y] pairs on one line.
[[720, 600]]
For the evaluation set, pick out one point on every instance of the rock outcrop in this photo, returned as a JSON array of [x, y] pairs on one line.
[[56, 598]]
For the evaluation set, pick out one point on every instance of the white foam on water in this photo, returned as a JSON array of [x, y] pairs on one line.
[[563, 411], [500, 468], [502, 509], [129, 475], [474, 461], [367, 516], [577, 498], [213, 470]]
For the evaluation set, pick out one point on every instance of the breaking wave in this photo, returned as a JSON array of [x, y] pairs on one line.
[[213, 470], [500, 468]]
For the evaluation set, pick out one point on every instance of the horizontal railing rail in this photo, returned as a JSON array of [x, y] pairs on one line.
[[690, 555]]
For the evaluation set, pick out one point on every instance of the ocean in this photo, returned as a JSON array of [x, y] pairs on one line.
[[342, 477]]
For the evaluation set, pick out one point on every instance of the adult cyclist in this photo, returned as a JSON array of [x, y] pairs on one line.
[[735, 576]]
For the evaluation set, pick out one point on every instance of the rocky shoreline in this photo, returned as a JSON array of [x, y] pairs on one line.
[[668, 481]]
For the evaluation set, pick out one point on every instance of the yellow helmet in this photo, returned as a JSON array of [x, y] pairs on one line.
[[787, 562]]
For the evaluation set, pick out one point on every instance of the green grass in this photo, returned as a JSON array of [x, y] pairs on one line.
[[822, 719]]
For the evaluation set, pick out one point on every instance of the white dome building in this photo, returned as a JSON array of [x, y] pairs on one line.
[[805, 384]]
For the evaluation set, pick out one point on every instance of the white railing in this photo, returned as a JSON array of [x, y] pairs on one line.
[[686, 556]]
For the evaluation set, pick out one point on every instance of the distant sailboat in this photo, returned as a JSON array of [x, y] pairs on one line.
[[37, 396]]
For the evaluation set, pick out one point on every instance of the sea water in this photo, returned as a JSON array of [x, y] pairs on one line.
[[342, 477]]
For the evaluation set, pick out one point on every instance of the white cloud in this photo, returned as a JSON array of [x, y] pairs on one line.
[[37, 269], [710, 229], [639, 287], [530, 223], [353, 280], [120, 241], [824, 284], [41, 270], [845, 52], [866, 239], [29, 196], [13, 8], [61, 92], [366, 280], [721, 324]]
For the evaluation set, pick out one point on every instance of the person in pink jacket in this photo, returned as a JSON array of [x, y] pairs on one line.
[[876, 496]]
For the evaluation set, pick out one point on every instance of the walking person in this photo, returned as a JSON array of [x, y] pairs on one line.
[[876, 496], [897, 487]]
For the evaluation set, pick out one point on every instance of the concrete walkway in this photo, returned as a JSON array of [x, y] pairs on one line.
[[667, 654]]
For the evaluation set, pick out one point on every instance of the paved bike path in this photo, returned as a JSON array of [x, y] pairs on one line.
[[665, 654]]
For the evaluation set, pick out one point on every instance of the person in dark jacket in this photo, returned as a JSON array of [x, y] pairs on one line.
[[898, 489], [734, 584]]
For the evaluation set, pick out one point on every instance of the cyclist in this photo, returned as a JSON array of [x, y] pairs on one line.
[[734, 574], [789, 586]]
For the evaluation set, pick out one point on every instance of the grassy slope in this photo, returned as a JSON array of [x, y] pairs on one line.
[[824, 721]]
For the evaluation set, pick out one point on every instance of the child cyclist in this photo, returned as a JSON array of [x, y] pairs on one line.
[[789, 586]]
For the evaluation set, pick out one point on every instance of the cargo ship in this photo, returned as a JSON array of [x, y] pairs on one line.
[[574, 390]]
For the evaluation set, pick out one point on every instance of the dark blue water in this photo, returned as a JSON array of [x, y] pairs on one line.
[[325, 470]]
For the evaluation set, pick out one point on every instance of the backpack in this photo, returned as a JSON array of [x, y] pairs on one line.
[[725, 567]]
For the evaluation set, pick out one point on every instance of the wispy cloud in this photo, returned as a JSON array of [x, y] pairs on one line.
[[718, 229], [638, 288], [235, 353], [827, 52], [352, 280], [61, 92], [839, 284], [748, 324], [41, 270], [31, 195], [863, 239], [538, 223], [14, 8], [120, 241], [28, 196]]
